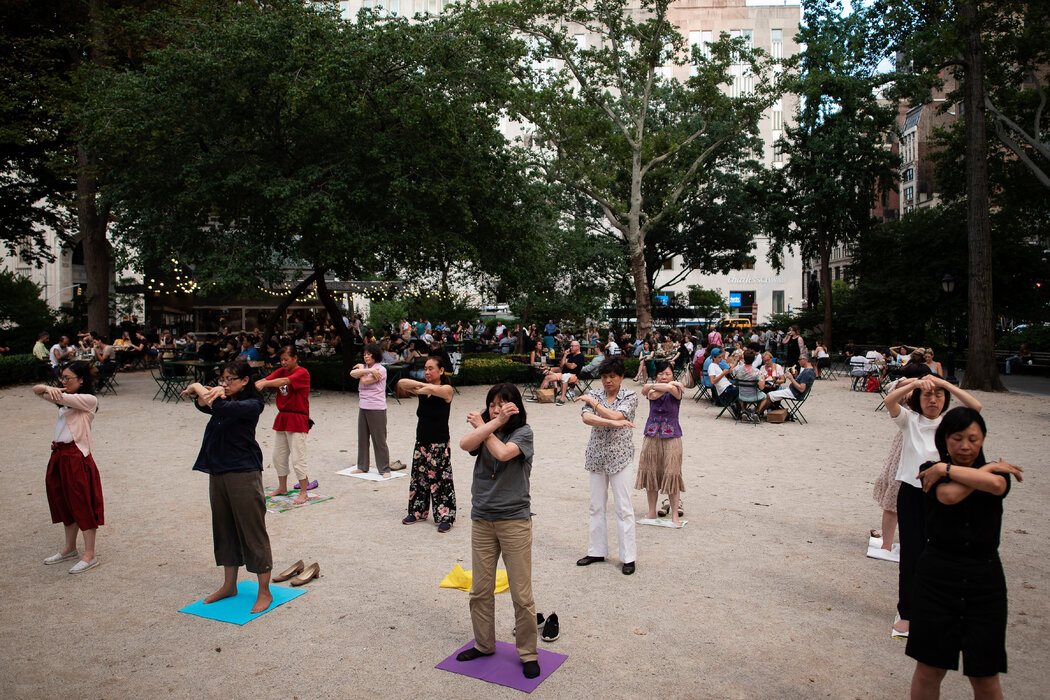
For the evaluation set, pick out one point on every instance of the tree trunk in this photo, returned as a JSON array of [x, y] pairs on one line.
[[93, 240], [825, 282], [642, 302], [285, 303], [346, 340], [981, 371], [92, 223]]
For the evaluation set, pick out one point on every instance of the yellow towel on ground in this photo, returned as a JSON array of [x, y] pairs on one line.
[[458, 578]]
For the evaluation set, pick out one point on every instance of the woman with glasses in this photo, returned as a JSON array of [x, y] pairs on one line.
[[74, 487], [232, 458]]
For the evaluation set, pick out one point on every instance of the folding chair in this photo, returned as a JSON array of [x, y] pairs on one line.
[[794, 407], [107, 383], [728, 405], [457, 361], [859, 371], [749, 395]]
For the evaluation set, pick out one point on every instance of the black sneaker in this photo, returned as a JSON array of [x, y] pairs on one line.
[[539, 624], [550, 628]]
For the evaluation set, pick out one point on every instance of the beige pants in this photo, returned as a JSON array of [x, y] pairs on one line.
[[290, 447], [512, 539]]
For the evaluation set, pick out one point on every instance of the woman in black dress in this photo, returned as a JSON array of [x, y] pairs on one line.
[[960, 589]]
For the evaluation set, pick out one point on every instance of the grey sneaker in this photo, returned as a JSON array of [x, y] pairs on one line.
[[58, 557]]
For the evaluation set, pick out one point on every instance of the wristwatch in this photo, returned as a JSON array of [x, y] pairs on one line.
[[948, 471]]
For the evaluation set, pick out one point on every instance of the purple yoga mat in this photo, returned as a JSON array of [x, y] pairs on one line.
[[503, 667]]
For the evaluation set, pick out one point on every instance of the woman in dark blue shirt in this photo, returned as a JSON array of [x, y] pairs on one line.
[[233, 459]]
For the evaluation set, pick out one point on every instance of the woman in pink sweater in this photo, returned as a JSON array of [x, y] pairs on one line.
[[74, 487]]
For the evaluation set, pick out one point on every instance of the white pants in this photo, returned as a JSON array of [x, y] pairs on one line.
[[620, 484], [289, 446]]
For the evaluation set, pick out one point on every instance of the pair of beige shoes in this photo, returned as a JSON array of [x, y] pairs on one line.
[[299, 573]]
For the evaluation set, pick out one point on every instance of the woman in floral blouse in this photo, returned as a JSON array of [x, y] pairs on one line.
[[609, 411], [660, 464]]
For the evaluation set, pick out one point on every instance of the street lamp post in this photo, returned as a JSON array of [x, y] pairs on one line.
[[948, 285]]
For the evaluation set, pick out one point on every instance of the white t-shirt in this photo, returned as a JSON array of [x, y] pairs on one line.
[[56, 350], [918, 444], [713, 371], [612, 348]]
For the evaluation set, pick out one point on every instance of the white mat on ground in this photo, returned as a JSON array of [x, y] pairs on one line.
[[662, 522], [875, 550], [371, 474]]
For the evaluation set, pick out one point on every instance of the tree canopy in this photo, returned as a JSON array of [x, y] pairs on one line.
[[280, 135], [837, 159], [601, 116]]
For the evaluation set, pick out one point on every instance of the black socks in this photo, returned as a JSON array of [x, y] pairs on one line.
[[530, 669], [471, 654]]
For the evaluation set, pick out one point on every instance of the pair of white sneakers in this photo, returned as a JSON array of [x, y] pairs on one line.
[[78, 568]]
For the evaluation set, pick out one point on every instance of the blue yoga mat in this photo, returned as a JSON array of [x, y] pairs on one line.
[[237, 609]]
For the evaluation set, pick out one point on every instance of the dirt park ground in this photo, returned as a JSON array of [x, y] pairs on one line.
[[766, 593]]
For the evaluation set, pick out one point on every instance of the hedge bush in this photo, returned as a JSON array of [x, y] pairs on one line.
[[329, 374], [18, 369]]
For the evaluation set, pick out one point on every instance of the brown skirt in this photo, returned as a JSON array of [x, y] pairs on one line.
[[660, 466], [887, 486]]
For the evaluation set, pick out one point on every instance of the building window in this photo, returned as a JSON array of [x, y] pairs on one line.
[[838, 273], [778, 301], [777, 43], [909, 194], [778, 153], [344, 10], [419, 7], [669, 264], [909, 175], [695, 41]]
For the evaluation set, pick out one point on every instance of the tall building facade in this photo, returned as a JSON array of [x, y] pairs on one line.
[[759, 290]]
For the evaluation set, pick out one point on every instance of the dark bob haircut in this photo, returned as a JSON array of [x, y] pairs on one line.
[[661, 366], [509, 394], [374, 350], [441, 365], [612, 365], [242, 370], [955, 421], [915, 399]]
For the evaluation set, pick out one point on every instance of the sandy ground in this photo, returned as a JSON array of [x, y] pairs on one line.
[[765, 593]]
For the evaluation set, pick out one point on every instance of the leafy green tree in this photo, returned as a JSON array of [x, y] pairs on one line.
[[992, 50], [23, 313], [601, 120], [277, 135], [51, 179], [837, 161], [707, 302]]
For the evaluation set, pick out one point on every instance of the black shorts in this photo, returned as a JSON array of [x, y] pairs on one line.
[[959, 606]]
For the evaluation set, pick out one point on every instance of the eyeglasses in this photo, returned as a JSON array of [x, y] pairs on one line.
[[228, 380], [65, 379]]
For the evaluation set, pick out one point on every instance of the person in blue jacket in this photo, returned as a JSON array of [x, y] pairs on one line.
[[232, 458]]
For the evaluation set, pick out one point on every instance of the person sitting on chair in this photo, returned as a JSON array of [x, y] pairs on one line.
[[746, 371], [795, 386], [725, 390], [572, 361]]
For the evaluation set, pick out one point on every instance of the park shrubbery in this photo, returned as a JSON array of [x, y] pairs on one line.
[[18, 369], [1037, 338]]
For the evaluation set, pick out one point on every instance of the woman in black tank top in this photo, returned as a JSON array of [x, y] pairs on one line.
[[431, 488]]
